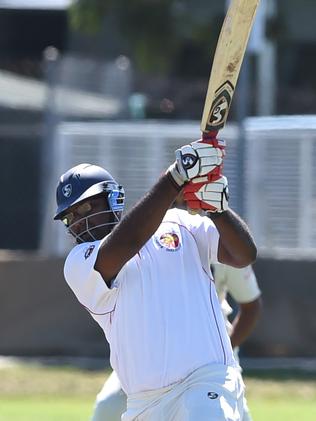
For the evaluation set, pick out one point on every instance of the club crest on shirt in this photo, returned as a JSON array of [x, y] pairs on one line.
[[169, 241], [88, 251]]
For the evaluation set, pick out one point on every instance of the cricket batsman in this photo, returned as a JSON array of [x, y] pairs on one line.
[[145, 278]]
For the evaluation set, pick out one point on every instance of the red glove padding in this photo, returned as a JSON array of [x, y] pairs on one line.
[[190, 197], [211, 197]]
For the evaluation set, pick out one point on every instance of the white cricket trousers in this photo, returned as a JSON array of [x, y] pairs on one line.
[[211, 393]]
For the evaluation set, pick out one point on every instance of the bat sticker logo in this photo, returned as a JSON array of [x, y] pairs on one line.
[[67, 190], [220, 107], [219, 111]]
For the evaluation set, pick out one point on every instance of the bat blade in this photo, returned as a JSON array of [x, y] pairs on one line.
[[229, 54]]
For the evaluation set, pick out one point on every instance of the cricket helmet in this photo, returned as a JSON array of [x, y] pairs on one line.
[[86, 181]]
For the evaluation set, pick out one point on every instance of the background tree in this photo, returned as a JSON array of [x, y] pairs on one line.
[[157, 33]]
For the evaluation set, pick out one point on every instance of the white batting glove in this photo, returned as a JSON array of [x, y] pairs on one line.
[[211, 197], [195, 160]]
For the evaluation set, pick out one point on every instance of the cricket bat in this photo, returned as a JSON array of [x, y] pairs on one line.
[[229, 54], [227, 61]]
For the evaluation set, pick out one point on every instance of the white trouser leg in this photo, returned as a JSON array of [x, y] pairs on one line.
[[213, 392], [110, 402]]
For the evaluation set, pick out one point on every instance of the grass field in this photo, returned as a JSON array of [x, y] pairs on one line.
[[39, 393], [280, 395]]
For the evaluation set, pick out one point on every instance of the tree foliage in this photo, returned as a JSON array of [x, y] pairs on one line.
[[154, 29], [87, 15]]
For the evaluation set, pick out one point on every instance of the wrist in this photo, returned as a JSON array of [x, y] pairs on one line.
[[172, 180], [174, 174]]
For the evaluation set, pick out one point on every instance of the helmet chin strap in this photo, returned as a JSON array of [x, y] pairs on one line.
[[89, 230]]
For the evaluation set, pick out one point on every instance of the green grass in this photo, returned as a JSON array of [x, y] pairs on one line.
[[282, 410], [35, 408], [38, 393], [281, 395]]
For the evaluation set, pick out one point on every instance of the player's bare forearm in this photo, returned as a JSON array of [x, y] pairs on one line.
[[236, 245], [135, 228], [245, 321]]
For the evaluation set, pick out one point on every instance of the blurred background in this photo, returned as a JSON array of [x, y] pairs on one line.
[[122, 84]]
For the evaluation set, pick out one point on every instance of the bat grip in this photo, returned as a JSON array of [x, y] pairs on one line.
[[211, 138]]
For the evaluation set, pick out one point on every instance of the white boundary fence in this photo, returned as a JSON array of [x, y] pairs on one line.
[[279, 199]]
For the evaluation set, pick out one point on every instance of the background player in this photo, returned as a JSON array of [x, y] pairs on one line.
[[147, 283], [242, 286]]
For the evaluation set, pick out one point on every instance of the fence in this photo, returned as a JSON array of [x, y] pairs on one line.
[[272, 171]]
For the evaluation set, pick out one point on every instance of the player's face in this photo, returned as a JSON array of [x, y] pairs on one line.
[[90, 220]]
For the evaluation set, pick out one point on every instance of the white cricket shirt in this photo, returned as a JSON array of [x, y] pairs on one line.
[[161, 317]]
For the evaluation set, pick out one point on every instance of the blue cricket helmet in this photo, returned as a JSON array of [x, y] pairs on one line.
[[85, 181]]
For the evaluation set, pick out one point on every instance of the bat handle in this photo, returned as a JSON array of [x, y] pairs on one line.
[[211, 138]]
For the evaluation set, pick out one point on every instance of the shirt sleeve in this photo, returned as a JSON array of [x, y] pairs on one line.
[[241, 283], [86, 283]]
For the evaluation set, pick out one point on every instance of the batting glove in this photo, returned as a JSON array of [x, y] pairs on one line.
[[198, 159], [211, 197]]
